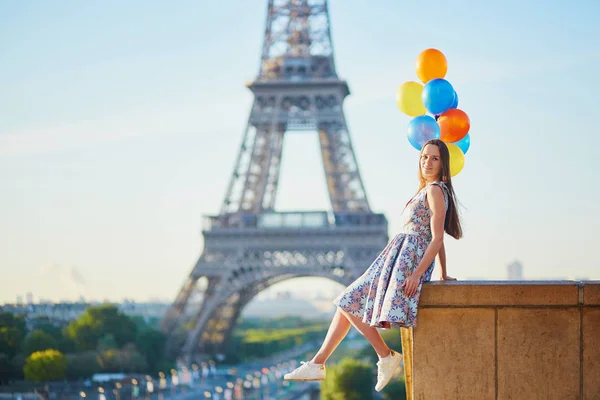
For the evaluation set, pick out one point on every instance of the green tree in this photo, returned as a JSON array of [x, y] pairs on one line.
[[12, 333], [107, 342], [140, 322], [98, 322], [11, 320], [82, 365], [8, 371], [349, 380], [11, 341], [152, 344], [44, 324], [47, 365], [83, 336], [38, 341], [64, 342], [126, 360], [18, 362], [395, 389]]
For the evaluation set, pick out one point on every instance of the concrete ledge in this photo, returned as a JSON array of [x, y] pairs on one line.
[[498, 293], [505, 340], [591, 293]]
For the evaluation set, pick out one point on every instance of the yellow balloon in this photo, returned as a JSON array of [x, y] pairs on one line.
[[457, 159], [408, 99]]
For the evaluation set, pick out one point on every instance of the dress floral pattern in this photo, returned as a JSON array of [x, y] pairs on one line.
[[376, 296]]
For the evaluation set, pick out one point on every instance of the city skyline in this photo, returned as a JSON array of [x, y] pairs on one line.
[[114, 142]]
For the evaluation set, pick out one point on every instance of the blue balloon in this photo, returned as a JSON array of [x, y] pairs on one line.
[[455, 102], [421, 129], [438, 96], [464, 143]]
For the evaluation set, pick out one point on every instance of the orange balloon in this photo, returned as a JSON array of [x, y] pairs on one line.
[[431, 64], [454, 125]]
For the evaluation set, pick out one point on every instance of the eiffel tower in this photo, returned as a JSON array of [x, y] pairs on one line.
[[249, 246]]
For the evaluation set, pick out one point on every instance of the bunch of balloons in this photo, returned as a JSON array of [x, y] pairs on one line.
[[434, 106]]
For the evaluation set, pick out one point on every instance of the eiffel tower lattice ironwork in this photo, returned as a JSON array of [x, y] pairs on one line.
[[249, 246]]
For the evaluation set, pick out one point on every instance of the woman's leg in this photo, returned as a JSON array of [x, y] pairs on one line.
[[337, 332], [340, 325], [370, 333]]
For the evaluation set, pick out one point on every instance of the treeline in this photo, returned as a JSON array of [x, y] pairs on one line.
[[262, 343], [103, 339], [257, 338]]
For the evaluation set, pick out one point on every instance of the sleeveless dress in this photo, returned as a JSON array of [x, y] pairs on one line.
[[377, 297]]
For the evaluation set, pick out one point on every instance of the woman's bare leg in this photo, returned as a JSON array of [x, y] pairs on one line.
[[340, 325], [337, 332], [370, 333]]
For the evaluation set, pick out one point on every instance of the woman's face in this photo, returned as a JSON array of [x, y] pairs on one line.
[[431, 163]]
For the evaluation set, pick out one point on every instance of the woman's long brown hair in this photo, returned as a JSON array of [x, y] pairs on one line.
[[452, 220]]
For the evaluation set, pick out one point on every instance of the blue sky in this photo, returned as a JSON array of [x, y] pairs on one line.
[[120, 123]]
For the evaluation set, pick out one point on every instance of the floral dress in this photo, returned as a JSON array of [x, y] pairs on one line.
[[376, 296]]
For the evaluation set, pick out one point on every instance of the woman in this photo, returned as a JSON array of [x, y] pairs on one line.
[[387, 294]]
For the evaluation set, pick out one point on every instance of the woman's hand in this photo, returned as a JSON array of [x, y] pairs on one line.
[[411, 284], [447, 278]]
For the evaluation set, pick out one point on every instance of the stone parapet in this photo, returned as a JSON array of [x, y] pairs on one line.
[[501, 340]]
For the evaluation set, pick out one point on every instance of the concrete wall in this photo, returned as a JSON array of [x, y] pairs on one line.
[[505, 340]]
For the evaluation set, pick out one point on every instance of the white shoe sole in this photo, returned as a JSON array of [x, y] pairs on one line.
[[392, 373]]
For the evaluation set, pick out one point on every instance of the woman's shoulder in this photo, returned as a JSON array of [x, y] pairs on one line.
[[440, 184], [439, 187]]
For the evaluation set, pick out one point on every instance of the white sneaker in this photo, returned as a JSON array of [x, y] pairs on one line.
[[386, 368], [308, 371]]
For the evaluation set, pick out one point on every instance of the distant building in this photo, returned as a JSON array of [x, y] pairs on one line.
[[29, 298], [148, 311], [515, 271], [64, 312]]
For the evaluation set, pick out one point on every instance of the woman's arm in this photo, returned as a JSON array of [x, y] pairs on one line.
[[437, 211], [442, 260]]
